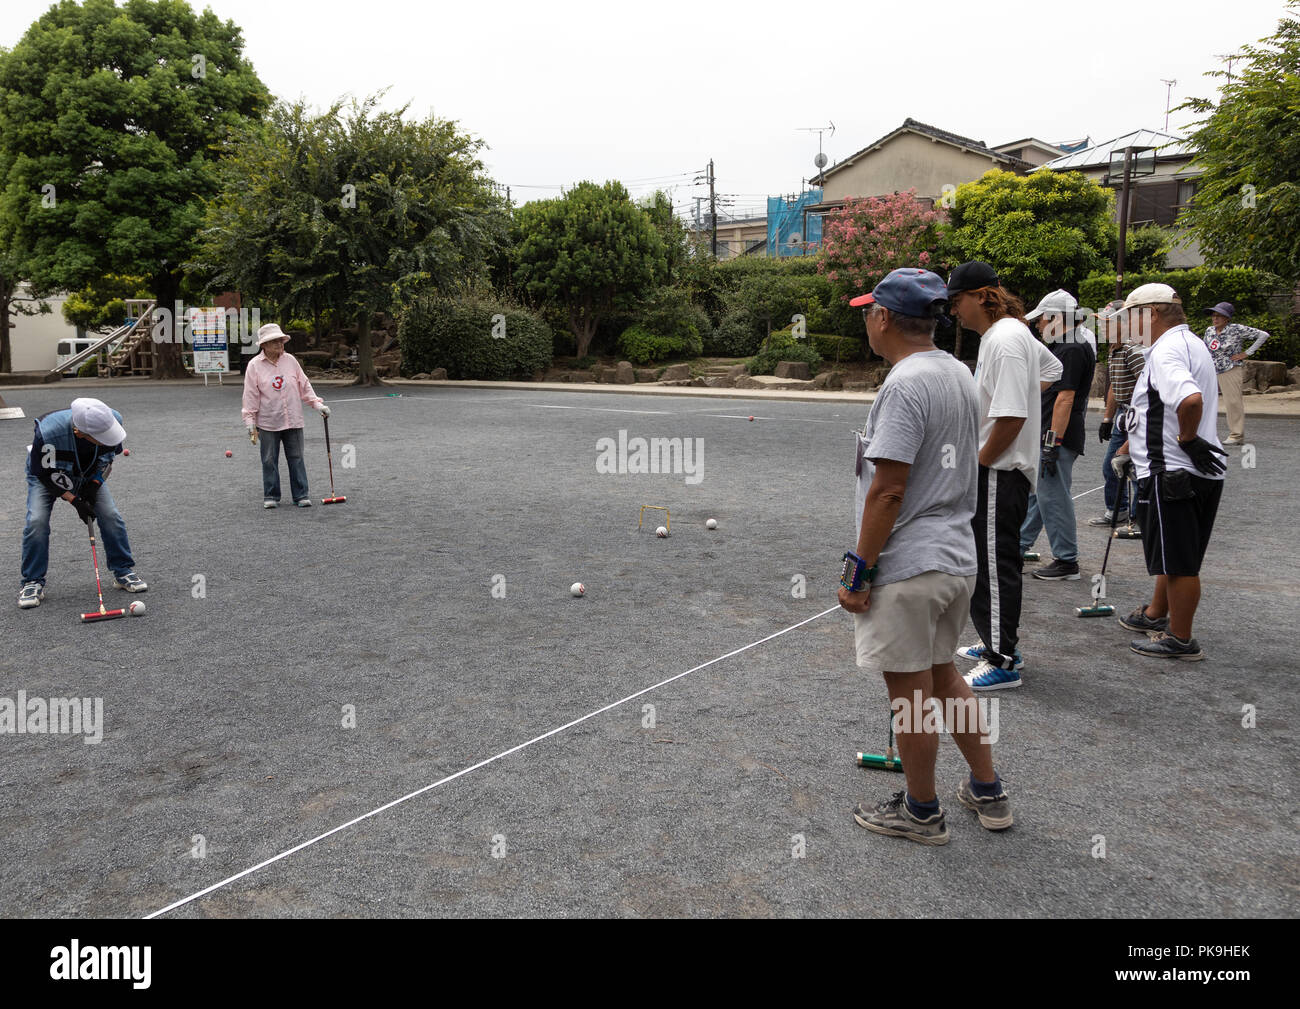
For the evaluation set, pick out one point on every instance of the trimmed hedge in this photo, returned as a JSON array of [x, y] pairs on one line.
[[457, 335], [738, 335], [1252, 292], [830, 346], [781, 346]]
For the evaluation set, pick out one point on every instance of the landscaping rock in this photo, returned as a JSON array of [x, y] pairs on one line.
[[1294, 376], [675, 373], [608, 376], [793, 369], [645, 375], [829, 380], [422, 377], [1262, 375], [438, 375], [624, 373]]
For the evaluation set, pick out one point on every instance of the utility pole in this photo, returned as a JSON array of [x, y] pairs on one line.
[[1123, 225], [713, 210], [1169, 91]]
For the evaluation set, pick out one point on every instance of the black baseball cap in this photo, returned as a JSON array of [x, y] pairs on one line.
[[972, 275]]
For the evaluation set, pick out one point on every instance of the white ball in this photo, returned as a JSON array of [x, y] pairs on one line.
[[136, 609], [661, 532], [711, 524], [577, 589]]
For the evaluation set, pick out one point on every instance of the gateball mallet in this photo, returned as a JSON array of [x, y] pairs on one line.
[[333, 498], [1099, 609], [103, 614]]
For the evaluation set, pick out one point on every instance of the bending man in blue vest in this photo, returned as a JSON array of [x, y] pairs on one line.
[[71, 456]]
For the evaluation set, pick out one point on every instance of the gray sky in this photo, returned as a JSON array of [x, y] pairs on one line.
[[569, 91]]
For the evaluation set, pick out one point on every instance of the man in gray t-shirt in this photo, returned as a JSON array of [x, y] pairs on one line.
[[912, 569]]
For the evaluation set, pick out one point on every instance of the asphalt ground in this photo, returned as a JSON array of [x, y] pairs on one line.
[[224, 710]]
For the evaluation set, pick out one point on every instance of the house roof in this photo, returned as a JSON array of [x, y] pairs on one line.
[[1042, 145], [933, 132], [1167, 146]]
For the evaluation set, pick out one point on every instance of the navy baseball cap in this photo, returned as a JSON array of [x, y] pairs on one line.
[[1223, 308], [972, 276], [908, 291]]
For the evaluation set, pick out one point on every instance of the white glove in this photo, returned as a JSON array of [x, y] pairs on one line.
[[324, 410], [1120, 465]]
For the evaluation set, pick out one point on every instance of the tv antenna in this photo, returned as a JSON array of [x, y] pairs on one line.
[[821, 160], [1169, 91]]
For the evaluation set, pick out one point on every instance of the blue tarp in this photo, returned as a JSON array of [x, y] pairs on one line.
[[786, 220]]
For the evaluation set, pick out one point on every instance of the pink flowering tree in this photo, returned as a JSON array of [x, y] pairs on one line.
[[869, 237]]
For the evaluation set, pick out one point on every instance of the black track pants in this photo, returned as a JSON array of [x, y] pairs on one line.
[[995, 606]]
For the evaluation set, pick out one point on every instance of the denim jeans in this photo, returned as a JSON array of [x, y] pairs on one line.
[[1051, 506], [36, 533], [1113, 487], [270, 442]]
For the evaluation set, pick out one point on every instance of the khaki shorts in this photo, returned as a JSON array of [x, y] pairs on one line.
[[913, 624]]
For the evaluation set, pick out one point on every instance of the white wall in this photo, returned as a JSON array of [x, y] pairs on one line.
[[34, 339]]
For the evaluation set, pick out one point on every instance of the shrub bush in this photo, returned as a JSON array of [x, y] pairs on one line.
[[667, 325], [640, 346], [738, 335], [457, 335], [781, 346], [89, 369]]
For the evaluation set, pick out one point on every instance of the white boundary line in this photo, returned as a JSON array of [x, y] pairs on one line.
[[1084, 493], [593, 409], [475, 767]]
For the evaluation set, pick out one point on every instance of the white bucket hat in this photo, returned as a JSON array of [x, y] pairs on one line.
[[270, 332], [93, 417]]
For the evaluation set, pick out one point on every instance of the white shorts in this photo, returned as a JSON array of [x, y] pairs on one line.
[[913, 624]]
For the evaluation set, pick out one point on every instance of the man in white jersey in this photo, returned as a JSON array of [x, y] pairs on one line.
[[1012, 370], [1174, 446]]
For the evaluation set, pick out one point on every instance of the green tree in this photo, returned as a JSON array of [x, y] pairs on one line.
[[111, 121], [1246, 211], [591, 252], [350, 212], [1040, 231]]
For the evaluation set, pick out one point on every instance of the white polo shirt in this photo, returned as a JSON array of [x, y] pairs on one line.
[[1178, 365], [1010, 366]]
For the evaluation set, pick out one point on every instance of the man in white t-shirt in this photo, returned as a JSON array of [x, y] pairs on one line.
[[1011, 372], [1174, 448]]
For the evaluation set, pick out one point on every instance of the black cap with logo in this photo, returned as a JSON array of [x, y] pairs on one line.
[[972, 275]]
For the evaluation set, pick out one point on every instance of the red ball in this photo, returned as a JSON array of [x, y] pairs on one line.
[[229, 453], [126, 451], [751, 418]]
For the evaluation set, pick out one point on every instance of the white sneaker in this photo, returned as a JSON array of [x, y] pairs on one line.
[[268, 503], [31, 595]]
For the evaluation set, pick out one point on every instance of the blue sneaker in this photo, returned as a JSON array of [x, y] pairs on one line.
[[985, 677], [975, 653]]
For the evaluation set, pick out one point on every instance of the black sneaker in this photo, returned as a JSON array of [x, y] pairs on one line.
[[892, 817], [1165, 646], [1059, 571], [1139, 621], [994, 810]]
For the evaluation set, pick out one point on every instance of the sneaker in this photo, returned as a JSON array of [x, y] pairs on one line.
[[1059, 571], [1163, 645], [130, 581], [304, 503], [994, 810], [977, 651], [1234, 441], [1106, 518], [894, 818], [986, 676], [31, 595], [270, 503], [1139, 621]]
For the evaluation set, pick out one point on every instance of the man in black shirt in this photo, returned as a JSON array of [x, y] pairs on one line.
[[1065, 402]]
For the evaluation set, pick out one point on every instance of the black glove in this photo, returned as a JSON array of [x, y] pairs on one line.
[[1050, 455], [85, 509], [1202, 454], [1105, 431]]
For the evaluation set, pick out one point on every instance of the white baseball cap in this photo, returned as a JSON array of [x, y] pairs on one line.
[[270, 332], [1152, 294], [93, 417], [1059, 302]]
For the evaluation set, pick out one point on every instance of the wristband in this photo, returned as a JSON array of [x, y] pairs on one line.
[[855, 575], [1049, 439]]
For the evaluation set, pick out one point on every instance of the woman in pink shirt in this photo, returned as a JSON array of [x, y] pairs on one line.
[[275, 387]]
